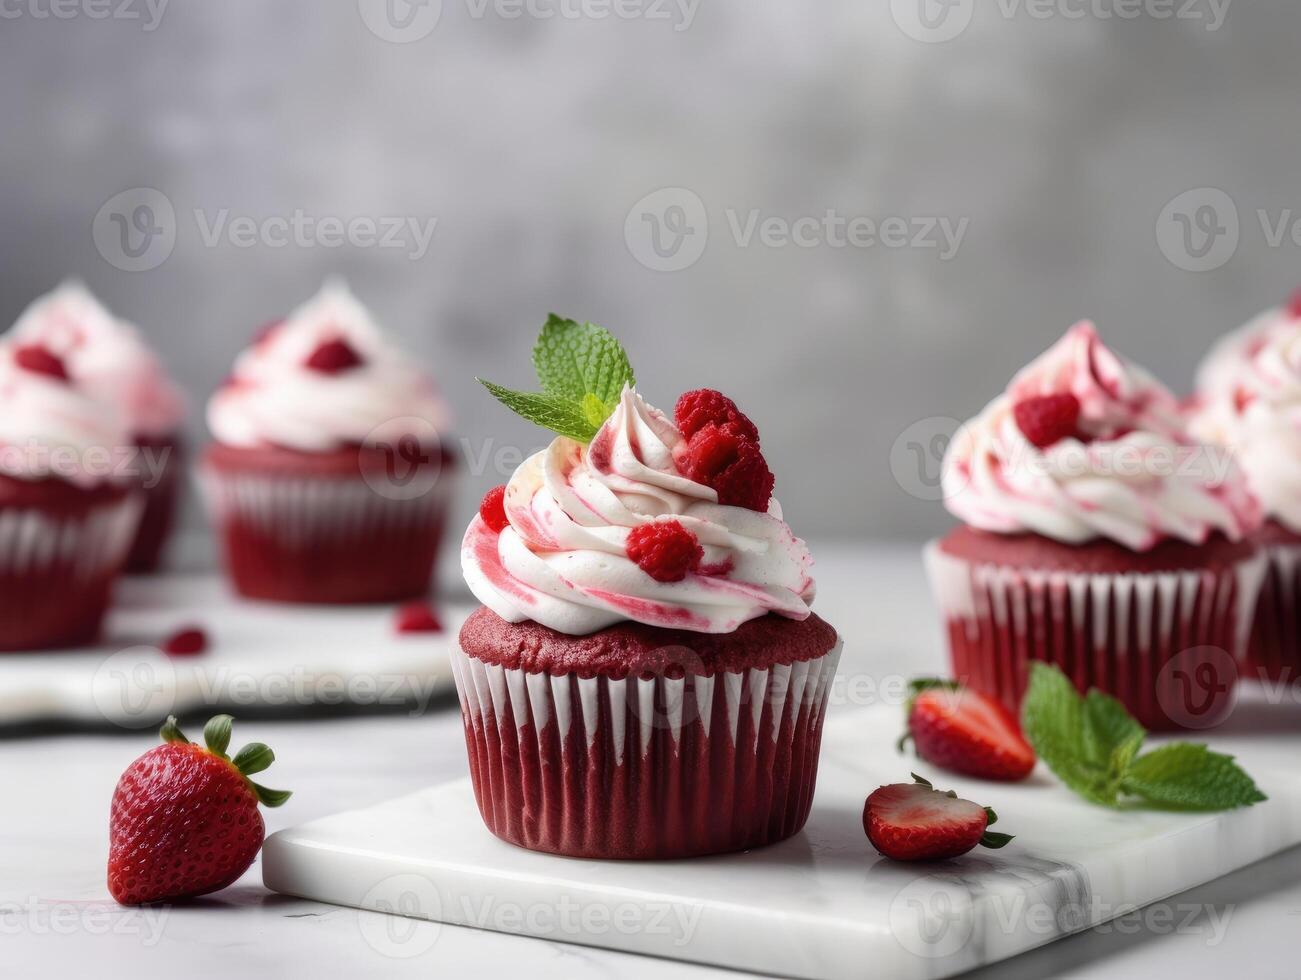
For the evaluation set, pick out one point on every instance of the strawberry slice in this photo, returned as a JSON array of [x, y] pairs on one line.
[[966, 732], [916, 822]]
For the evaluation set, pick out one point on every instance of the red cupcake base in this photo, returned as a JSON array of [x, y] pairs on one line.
[[1164, 631], [328, 527], [61, 549], [647, 765], [160, 499], [1274, 653]]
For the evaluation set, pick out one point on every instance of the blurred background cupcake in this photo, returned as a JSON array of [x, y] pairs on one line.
[[108, 358], [1249, 400], [328, 479], [67, 513], [1097, 536]]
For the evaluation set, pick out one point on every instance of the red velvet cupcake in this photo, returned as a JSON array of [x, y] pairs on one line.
[[107, 358], [328, 481], [1101, 538], [646, 679], [67, 516], [1249, 401]]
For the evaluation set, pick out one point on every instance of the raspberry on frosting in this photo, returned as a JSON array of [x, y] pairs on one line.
[[698, 408], [39, 360], [334, 356], [665, 550], [1047, 419], [721, 457], [493, 509]]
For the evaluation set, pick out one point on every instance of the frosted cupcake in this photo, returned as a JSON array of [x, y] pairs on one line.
[[1098, 536], [328, 480], [645, 678], [67, 515], [1249, 400], [107, 358]]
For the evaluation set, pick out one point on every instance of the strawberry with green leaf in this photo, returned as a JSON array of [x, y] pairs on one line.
[[964, 731], [1092, 744], [185, 819]]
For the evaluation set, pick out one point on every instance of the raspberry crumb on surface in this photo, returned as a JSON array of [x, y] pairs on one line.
[[186, 642], [417, 617]]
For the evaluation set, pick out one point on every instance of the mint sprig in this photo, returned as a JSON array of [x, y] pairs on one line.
[[582, 370], [1091, 744]]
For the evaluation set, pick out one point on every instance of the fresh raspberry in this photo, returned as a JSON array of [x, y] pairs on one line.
[[334, 356], [696, 409], [1047, 419], [186, 642], [719, 456], [493, 509], [39, 360], [417, 617], [665, 550]]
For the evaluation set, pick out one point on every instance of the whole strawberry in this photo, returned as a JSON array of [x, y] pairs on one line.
[[966, 732], [916, 822], [185, 819]]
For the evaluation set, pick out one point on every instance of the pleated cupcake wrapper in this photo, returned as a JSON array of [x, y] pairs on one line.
[[1274, 652], [644, 767], [1115, 632], [296, 510], [35, 542]]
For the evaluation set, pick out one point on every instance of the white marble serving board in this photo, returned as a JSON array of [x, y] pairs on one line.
[[822, 904], [264, 656]]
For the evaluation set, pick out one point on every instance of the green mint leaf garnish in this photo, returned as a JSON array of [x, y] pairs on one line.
[[1091, 744], [583, 371], [1188, 776], [560, 416]]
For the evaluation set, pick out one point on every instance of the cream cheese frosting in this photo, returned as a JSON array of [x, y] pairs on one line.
[[51, 427], [1249, 401], [1131, 474], [275, 399], [106, 356], [562, 560]]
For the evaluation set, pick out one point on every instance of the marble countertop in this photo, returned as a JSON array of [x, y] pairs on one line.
[[56, 918]]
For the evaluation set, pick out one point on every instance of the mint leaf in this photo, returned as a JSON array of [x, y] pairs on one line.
[[1110, 736], [575, 360], [549, 411], [1189, 776], [1054, 719]]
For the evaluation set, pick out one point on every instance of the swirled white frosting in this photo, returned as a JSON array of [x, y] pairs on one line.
[[54, 428], [1250, 402], [1131, 474], [105, 356], [274, 399], [562, 562]]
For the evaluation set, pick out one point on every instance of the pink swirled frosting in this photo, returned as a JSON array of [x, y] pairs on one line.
[[105, 356], [1249, 400], [1131, 473], [562, 562], [274, 398]]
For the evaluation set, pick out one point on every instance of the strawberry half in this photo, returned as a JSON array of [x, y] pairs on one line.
[[916, 822], [185, 819], [966, 732]]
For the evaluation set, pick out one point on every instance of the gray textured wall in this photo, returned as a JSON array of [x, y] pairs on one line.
[[1057, 140]]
